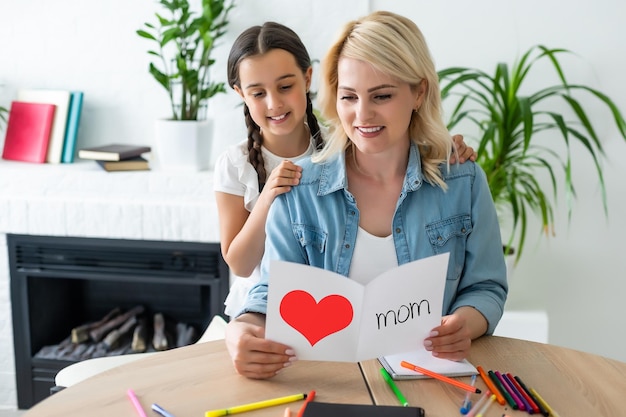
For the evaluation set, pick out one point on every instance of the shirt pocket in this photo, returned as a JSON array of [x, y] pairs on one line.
[[450, 235], [311, 238]]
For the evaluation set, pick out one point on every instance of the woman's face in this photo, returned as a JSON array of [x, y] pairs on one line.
[[274, 89], [374, 108]]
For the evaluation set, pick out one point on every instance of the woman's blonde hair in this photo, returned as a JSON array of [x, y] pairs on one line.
[[393, 44]]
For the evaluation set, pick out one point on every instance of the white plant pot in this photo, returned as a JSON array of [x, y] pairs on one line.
[[183, 145]]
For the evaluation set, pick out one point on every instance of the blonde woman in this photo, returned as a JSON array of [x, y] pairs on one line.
[[381, 193]]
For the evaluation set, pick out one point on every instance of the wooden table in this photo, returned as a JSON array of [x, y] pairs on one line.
[[573, 383], [190, 380]]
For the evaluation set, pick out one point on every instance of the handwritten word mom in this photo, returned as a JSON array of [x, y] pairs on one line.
[[404, 313]]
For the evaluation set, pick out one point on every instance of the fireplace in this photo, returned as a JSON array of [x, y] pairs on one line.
[[59, 283]]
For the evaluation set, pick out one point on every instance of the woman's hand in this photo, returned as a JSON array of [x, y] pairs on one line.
[[453, 339], [253, 356], [461, 151]]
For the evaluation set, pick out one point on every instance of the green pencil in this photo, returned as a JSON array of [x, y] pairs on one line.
[[394, 388]]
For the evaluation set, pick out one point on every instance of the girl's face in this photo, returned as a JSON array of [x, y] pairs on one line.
[[375, 108], [274, 89]]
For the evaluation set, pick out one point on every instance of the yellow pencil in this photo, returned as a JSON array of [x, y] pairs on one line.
[[544, 403], [255, 406]]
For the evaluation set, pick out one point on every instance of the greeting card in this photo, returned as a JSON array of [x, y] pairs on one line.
[[326, 316]]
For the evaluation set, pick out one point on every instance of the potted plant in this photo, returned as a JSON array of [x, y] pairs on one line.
[[3, 115], [517, 129], [184, 41]]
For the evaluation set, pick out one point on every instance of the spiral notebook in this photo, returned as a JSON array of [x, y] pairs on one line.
[[425, 359]]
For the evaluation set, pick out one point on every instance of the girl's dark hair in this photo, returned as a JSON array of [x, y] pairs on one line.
[[259, 40]]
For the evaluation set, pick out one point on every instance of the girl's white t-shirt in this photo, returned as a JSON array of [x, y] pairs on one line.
[[235, 175]]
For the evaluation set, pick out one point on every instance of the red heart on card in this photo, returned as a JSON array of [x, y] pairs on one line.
[[316, 320]]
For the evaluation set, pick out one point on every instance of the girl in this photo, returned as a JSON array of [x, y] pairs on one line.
[[269, 67]]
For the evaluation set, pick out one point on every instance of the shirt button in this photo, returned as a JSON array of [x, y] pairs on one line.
[[352, 213], [463, 230], [347, 246], [398, 230], [439, 238]]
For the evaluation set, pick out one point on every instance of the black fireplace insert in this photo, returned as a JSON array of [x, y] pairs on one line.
[[60, 283]]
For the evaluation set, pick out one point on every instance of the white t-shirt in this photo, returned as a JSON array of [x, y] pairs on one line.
[[372, 256], [235, 175]]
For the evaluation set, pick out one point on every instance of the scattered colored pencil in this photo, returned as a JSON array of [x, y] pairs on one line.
[[440, 377]]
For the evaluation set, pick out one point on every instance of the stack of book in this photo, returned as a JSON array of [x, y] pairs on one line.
[[43, 126], [118, 157]]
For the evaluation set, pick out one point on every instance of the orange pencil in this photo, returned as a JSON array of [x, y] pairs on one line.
[[440, 377], [490, 385]]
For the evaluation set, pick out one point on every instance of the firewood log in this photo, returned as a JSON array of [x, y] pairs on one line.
[[99, 332], [159, 339], [81, 333], [185, 335], [112, 339], [140, 337]]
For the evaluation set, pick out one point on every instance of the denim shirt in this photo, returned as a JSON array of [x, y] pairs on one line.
[[316, 223]]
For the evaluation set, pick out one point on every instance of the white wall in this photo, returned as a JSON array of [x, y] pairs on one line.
[[577, 276]]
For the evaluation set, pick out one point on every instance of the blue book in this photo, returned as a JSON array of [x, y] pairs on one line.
[[71, 132]]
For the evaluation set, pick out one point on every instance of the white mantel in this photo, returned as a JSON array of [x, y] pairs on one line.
[[83, 200]]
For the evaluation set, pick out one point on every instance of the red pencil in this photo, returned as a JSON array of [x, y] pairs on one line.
[[440, 377], [524, 393]]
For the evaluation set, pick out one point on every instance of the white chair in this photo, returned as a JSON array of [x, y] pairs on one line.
[[82, 370]]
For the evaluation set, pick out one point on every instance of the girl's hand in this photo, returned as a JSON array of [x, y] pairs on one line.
[[462, 151], [253, 356], [280, 180]]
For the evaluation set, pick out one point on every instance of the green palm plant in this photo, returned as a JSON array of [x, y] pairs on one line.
[[516, 135]]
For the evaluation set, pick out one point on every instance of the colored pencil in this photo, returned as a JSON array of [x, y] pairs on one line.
[[255, 406], [503, 390], [483, 410], [161, 411], [491, 385], [401, 399], [518, 394], [467, 403], [440, 377], [136, 404], [543, 402], [309, 398], [524, 394], [472, 412], [542, 410], [511, 391]]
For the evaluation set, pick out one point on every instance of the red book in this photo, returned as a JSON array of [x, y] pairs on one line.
[[28, 131]]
